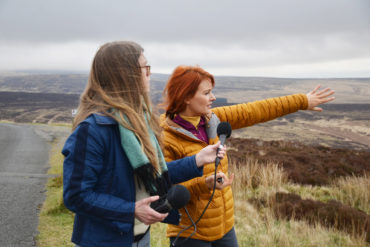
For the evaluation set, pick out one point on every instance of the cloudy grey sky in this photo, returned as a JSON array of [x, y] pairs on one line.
[[283, 38]]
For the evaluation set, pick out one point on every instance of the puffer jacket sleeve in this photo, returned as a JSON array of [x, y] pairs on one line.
[[195, 185], [82, 167], [247, 114]]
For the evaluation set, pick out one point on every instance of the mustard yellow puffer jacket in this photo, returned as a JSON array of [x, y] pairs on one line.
[[219, 217]]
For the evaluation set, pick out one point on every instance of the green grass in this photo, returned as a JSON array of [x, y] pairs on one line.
[[255, 226], [56, 222], [158, 235]]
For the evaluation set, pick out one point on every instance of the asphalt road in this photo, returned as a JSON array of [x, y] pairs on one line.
[[23, 167]]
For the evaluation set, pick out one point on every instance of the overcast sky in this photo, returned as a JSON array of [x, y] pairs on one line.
[[279, 38]]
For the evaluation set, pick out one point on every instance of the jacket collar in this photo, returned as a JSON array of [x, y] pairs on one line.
[[212, 122], [104, 120]]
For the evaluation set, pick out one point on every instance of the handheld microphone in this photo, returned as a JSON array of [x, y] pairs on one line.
[[223, 132], [177, 197]]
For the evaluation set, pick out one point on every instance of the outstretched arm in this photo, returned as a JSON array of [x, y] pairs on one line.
[[248, 114], [317, 97]]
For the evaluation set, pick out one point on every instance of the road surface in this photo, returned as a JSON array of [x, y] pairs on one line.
[[23, 167]]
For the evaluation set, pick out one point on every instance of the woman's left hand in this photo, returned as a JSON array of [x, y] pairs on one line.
[[147, 215], [208, 154], [222, 180], [316, 98]]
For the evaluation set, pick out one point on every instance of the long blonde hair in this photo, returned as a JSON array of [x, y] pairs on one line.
[[115, 82]]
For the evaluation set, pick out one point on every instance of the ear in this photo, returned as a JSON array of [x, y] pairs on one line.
[[187, 101]]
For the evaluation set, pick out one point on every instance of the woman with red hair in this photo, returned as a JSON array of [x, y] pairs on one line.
[[190, 123]]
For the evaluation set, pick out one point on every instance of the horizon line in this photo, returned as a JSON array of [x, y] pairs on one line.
[[86, 72]]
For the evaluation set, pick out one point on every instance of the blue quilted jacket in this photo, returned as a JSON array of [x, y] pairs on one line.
[[99, 184]]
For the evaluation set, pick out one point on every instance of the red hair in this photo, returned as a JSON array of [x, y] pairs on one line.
[[182, 85]]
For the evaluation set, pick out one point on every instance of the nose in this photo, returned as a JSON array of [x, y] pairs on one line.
[[213, 98]]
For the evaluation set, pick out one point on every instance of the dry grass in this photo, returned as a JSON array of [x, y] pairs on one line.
[[353, 191], [256, 224], [255, 182], [254, 178]]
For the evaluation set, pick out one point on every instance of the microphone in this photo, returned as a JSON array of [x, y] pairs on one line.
[[223, 132], [177, 197]]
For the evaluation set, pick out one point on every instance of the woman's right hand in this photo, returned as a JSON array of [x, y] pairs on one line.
[[147, 215], [316, 98], [208, 154], [219, 185]]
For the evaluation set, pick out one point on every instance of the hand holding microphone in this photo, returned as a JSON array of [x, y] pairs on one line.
[[222, 181], [145, 213], [209, 154], [153, 209], [177, 197], [223, 132]]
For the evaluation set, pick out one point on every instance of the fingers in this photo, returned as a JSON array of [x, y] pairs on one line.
[[208, 154], [147, 215], [327, 94], [150, 199], [316, 98], [222, 180], [155, 216], [323, 91], [323, 97], [327, 100], [318, 109], [231, 179], [210, 181], [220, 177], [315, 89], [216, 145], [222, 151]]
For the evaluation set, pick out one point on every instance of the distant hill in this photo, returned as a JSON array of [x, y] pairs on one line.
[[37, 107], [44, 83], [234, 89]]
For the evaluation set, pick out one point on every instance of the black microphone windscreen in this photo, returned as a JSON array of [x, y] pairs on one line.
[[224, 128], [178, 196]]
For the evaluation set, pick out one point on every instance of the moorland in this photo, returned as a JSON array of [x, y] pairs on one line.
[[302, 179]]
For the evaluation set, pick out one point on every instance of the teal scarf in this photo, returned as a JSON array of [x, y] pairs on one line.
[[155, 182]]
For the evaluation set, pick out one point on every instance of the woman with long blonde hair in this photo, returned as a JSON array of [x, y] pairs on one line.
[[114, 169]]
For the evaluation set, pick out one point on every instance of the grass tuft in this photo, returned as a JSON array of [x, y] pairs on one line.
[[353, 191]]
